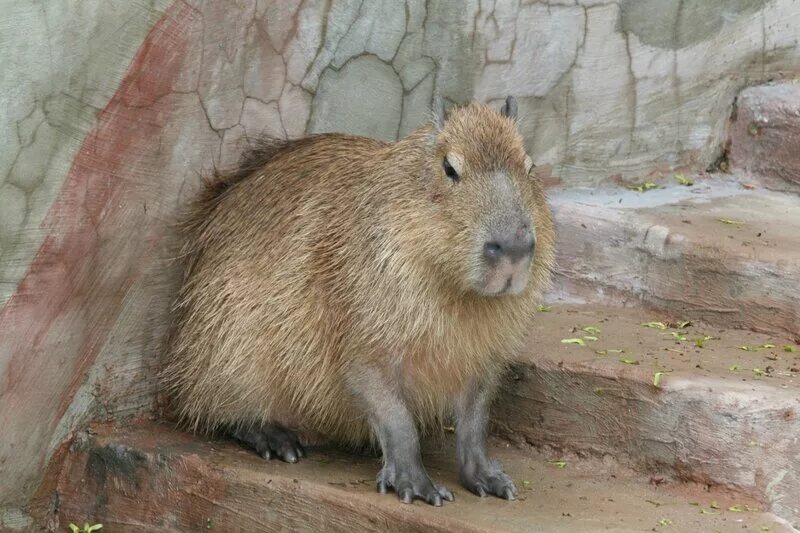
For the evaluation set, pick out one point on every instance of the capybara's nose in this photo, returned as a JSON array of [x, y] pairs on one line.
[[515, 247]]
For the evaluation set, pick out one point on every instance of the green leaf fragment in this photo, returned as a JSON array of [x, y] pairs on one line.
[[628, 361], [708, 511], [655, 325], [592, 330], [699, 342], [767, 346], [683, 180], [657, 378], [559, 464], [733, 368], [684, 324], [665, 522], [789, 348], [736, 508], [714, 504], [545, 308], [579, 342], [608, 351], [730, 222], [590, 338], [644, 187], [526, 483], [86, 528]]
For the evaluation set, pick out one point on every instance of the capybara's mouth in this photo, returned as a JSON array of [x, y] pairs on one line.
[[504, 279]]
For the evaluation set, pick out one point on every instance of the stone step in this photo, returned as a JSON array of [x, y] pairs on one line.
[[150, 477], [717, 414], [721, 250], [765, 134]]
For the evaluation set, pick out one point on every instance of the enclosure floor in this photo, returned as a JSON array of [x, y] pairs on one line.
[[153, 478]]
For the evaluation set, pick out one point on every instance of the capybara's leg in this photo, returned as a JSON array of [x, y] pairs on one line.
[[272, 441], [394, 426], [478, 473]]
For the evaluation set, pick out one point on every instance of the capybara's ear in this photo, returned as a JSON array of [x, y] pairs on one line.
[[509, 109], [438, 112], [529, 164]]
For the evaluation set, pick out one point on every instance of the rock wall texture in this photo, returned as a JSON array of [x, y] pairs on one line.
[[111, 110]]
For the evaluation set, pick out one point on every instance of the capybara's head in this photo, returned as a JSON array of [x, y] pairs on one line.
[[488, 198]]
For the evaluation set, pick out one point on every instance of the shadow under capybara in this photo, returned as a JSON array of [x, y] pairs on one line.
[[361, 291]]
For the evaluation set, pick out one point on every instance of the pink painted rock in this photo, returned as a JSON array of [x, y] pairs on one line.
[[765, 133]]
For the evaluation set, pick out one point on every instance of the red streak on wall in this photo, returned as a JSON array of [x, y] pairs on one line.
[[97, 245]]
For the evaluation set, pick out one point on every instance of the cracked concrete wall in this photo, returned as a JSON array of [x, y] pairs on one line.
[[111, 110]]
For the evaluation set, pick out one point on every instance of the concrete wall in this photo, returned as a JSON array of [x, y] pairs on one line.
[[110, 111]]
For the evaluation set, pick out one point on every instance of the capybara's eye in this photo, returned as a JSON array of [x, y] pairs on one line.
[[449, 170]]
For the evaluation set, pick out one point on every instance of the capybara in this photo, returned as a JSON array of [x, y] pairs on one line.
[[360, 291]]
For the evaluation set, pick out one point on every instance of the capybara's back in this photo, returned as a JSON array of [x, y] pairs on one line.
[[335, 279]]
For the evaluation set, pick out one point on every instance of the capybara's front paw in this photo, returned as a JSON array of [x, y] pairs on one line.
[[487, 480], [412, 483], [272, 441]]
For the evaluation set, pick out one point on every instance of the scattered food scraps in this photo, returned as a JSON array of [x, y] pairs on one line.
[[579, 342]]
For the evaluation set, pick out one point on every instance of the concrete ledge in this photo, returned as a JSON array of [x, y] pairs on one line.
[[765, 134], [152, 478], [712, 419], [715, 251]]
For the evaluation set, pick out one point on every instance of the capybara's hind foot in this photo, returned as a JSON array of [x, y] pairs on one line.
[[272, 441]]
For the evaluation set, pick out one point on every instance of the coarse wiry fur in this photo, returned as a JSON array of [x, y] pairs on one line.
[[337, 250]]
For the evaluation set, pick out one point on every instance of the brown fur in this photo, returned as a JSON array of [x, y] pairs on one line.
[[337, 250]]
